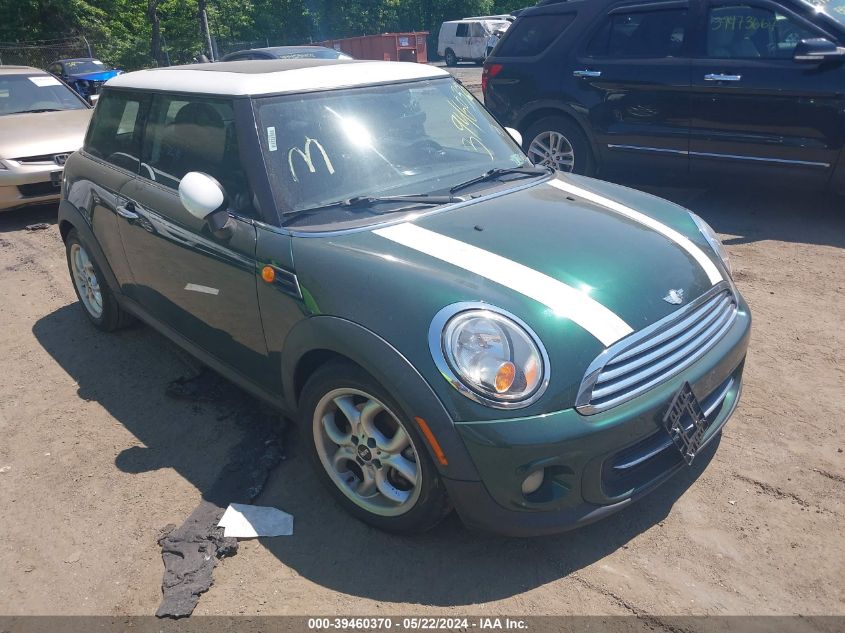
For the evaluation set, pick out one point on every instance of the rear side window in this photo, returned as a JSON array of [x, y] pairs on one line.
[[114, 133], [644, 34], [195, 134], [533, 34]]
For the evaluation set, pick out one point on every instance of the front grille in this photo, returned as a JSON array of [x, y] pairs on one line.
[[39, 189], [647, 358]]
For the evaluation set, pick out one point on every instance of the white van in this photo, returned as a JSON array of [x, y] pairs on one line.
[[466, 40]]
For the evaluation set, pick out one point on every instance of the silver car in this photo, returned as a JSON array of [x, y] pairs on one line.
[[42, 121]]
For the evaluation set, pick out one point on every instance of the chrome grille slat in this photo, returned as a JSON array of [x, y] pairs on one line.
[[681, 326], [645, 359], [671, 345], [679, 357]]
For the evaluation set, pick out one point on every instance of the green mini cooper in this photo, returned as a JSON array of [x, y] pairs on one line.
[[361, 245]]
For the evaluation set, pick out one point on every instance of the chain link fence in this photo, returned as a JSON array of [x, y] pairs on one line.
[[41, 53]]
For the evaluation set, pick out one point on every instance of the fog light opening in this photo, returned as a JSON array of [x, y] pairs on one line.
[[533, 482]]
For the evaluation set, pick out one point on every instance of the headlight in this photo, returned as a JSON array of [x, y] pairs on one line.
[[713, 239], [489, 355]]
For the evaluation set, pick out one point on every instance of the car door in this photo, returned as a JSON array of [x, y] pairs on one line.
[[756, 109], [633, 74], [200, 286], [461, 46], [477, 41]]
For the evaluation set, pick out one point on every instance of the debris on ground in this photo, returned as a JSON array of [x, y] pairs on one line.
[[190, 552], [40, 226], [5, 469], [246, 521]]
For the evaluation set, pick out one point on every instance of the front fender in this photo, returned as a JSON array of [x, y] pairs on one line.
[[390, 368]]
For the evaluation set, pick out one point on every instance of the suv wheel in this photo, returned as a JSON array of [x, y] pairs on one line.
[[451, 59], [558, 142], [366, 452], [96, 297]]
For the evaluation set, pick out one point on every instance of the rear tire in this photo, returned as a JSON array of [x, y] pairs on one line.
[[371, 458], [451, 58], [559, 142], [96, 298]]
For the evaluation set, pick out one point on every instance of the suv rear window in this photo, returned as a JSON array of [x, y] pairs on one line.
[[532, 34]]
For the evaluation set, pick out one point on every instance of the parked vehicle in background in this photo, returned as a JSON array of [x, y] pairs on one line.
[[466, 40], [740, 87], [361, 245], [41, 122], [286, 52], [86, 75]]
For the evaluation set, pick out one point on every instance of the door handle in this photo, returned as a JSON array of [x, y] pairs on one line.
[[127, 211], [720, 77], [586, 73]]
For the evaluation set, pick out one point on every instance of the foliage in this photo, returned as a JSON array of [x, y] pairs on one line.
[[122, 33]]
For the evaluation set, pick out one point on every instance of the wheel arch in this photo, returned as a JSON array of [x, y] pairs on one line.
[[537, 112], [70, 218], [321, 339]]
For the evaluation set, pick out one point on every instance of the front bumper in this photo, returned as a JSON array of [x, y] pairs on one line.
[[593, 465], [24, 185]]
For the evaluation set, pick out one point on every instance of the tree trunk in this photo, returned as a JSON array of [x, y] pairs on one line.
[[155, 37]]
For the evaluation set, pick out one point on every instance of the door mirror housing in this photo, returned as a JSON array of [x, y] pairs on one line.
[[817, 49], [205, 199], [515, 135]]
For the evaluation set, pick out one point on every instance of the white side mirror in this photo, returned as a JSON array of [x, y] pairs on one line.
[[201, 194], [515, 135]]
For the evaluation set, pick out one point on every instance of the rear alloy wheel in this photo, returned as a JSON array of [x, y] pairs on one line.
[[451, 58], [559, 143], [97, 299], [371, 457]]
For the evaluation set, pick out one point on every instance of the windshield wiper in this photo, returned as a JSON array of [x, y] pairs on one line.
[[492, 174], [367, 202], [37, 110]]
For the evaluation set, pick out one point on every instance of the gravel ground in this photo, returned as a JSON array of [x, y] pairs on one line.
[[95, 460]]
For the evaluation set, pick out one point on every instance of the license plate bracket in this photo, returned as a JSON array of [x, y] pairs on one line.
[[685, 423]]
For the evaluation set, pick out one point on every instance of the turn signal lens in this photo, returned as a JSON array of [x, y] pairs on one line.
[[505, 377], [268, 274]]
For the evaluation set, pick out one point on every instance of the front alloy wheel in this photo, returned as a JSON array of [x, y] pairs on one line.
[[368, 453]]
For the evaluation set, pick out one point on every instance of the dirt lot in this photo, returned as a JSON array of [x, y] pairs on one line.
[[95, 460]]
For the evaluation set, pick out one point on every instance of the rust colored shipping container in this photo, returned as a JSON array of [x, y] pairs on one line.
[[397, 47]]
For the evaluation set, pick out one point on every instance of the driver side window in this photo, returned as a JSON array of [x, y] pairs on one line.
[[752, 32]]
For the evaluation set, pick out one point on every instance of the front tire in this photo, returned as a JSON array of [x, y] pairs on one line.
[[97, 300], [367, 453], [558, 142]]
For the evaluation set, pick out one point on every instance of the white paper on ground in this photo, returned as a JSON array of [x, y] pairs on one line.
[[245, 521]]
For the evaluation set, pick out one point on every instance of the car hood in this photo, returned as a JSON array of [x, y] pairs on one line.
[[580, 274], [40, 133], [104, 75]]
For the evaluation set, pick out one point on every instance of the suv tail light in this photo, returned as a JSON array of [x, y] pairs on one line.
[[490, 71]]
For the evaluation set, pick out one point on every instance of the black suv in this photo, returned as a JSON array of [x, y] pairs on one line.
[[745, 87]]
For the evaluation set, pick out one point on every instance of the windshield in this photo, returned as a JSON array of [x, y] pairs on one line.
[[833, 8], [413, 138], [83, 66], [35, 93]]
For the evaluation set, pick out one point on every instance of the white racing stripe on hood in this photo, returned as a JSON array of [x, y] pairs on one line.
[[564, 301], [706, 263]]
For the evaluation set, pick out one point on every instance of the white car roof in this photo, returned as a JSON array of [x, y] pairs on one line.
[[273, 76]]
